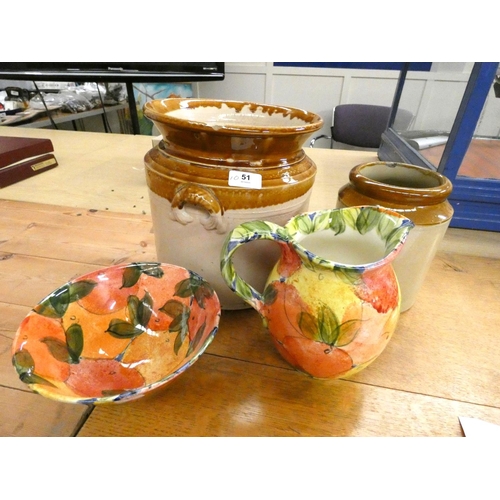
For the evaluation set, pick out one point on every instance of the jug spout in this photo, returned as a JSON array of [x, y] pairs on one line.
[[332, 300]]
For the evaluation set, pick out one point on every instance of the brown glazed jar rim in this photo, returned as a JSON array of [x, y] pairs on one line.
[[157, 111], [401, 194]]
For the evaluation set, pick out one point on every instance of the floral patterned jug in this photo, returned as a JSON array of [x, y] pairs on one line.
[[332, 301]]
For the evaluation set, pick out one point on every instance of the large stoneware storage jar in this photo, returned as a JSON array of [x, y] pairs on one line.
[[220, 164]]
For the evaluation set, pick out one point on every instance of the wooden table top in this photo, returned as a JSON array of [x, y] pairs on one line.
[[92, 211]]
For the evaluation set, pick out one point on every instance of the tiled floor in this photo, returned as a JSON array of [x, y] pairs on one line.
[[482, 159]]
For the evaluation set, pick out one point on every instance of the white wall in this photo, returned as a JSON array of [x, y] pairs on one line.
[[433, 96]]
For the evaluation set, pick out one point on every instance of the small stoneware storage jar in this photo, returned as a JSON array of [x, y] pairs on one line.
[[417, 193], [220, 164]]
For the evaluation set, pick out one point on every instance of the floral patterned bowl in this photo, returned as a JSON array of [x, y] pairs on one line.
[[116, 334]]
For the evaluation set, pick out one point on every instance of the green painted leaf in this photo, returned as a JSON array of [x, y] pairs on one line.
[[328, 326], [131, 275], [123, 329], [195, 286], [145, 310], [337, 222], [367, 220], [228, 272], [133, 306], [321, 221], [385, 227], [60, 300], [153, 269], [323, 262], [23, 362], [203, 292], [57, 348], [347, 332], [179, 323], [74, 342], [269, 295], [243, 290], [184, 288], [179, 314], [308, 325], [256, 226], [33, 378], [394, 238], [56, 304], [179, 340], [173, 308], [80, 289], [282, 233], [46, 309], [25, 366], [239, 233], [309, 264], [247, 229], [304, 224], [350, 216], [349, 276], [197, 338], [140, 311]]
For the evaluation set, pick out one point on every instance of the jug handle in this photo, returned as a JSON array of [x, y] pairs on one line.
[[245, 233], [203, 197]]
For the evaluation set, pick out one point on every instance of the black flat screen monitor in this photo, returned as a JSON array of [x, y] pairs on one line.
[[112, 71]]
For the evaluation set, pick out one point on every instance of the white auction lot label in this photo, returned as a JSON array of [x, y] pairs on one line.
[[245, 179]]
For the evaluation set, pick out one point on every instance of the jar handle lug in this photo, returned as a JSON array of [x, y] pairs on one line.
[[202, 197]]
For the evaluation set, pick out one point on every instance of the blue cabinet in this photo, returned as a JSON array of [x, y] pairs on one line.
[[476, 200]]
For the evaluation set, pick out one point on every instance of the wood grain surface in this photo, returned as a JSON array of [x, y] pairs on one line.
[[442, 363]]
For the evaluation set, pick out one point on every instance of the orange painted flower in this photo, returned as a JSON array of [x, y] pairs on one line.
[[379, 288], [315, 358], [101, 377]]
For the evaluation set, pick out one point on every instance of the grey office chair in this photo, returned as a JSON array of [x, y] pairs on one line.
[[362, 125]]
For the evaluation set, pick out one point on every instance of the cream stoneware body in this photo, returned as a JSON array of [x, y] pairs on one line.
[[332, 301], [219, 164]]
